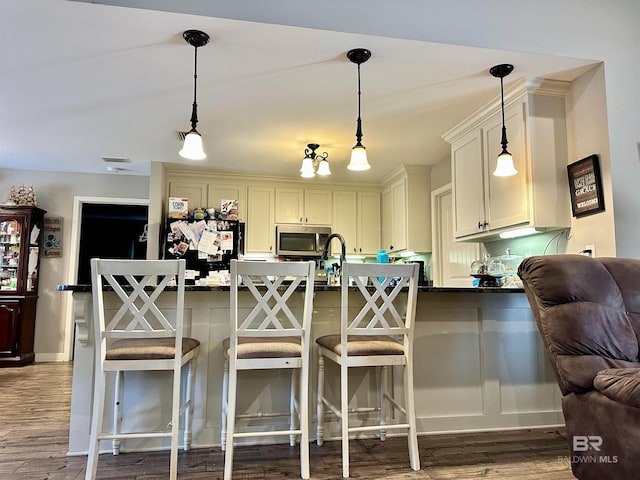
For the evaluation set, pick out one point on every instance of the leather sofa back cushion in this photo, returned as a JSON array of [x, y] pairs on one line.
[[626, 272]]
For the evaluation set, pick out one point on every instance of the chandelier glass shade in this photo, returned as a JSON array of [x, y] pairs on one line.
[[314, 163]]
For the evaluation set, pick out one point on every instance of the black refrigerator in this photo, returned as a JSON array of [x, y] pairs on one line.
[[207, 245]]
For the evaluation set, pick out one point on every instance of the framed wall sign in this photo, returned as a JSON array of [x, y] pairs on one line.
[[585, 187]]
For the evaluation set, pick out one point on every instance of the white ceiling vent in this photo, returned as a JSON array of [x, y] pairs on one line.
[[116, 160], [180, 135]]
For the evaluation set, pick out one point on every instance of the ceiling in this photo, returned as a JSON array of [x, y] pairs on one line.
[[82, 81]]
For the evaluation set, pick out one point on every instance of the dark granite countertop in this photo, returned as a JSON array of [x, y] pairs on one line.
[[321, 288]]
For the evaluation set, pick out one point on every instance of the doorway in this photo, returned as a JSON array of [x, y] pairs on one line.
[[111, 231], [97, 205]]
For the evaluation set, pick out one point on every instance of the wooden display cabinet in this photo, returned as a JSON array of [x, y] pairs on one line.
[[21, 239]]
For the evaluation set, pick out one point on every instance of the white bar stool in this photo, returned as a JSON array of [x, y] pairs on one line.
[[138, 336], [375, 335], [266, 334]]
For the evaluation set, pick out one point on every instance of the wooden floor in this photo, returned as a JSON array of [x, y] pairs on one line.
[[34, 419]]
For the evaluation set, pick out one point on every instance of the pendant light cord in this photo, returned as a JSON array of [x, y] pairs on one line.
[[194, 109], [504, 128]]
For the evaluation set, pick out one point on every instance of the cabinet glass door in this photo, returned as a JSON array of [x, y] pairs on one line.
[[10, 253]]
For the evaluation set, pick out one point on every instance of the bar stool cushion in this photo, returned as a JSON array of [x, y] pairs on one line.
[[265, 347], [362, 346], [148, 348]]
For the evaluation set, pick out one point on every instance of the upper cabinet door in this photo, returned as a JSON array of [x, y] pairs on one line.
[[468, 184], [345, 220], [317, 207], [260, 235], [289, 205], [226, 191], [195, 192], [368, 223]]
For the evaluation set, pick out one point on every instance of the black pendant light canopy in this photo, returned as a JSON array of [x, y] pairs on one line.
[[358, 153], [504, 166], [192, 148]]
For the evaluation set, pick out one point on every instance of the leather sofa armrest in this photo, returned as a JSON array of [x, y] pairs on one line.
[[620, 385]]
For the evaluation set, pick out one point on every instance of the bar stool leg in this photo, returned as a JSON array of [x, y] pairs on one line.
[[188, 414], [412, 435], [96, 425], [319, 405], [225, 399], [117, 410], [384, 385], [231, 422], [344, 409], [293, 424]]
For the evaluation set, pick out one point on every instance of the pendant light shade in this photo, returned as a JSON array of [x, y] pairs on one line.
[[192, 147], [358, 153], [504, 165], [358, 158], [323, 168]]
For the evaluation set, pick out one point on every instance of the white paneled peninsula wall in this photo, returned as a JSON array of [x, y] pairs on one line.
[[480, 361]]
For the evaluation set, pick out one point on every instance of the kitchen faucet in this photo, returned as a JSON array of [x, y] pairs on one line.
[[343, 251]]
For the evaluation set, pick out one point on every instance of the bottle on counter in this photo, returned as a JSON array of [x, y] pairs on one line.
[[331, 280], [382, 257]]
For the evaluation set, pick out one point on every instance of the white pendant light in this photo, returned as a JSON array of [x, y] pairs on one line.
[[313, 163], [504, 165], [192, 147], [358, 152]]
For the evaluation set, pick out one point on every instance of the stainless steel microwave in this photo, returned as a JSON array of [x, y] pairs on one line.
[[301, 240]]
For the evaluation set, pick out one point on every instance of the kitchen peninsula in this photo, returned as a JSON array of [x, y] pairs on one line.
[[481, 365]]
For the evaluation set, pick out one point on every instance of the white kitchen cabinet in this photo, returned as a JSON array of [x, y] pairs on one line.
[[406, 210], [228, 191], [209, 194], [369, 216], [260, 229], [303, 206], [195, 192], [485, 205], [356, 216], [345, 220]]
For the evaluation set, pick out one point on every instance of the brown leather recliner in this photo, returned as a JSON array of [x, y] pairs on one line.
[[588, 313]]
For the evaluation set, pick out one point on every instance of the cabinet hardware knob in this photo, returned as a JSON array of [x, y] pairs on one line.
[[390, 247]]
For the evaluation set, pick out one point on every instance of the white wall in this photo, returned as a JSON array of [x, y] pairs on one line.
[[441, 173], [55, 193], [587, 134]]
